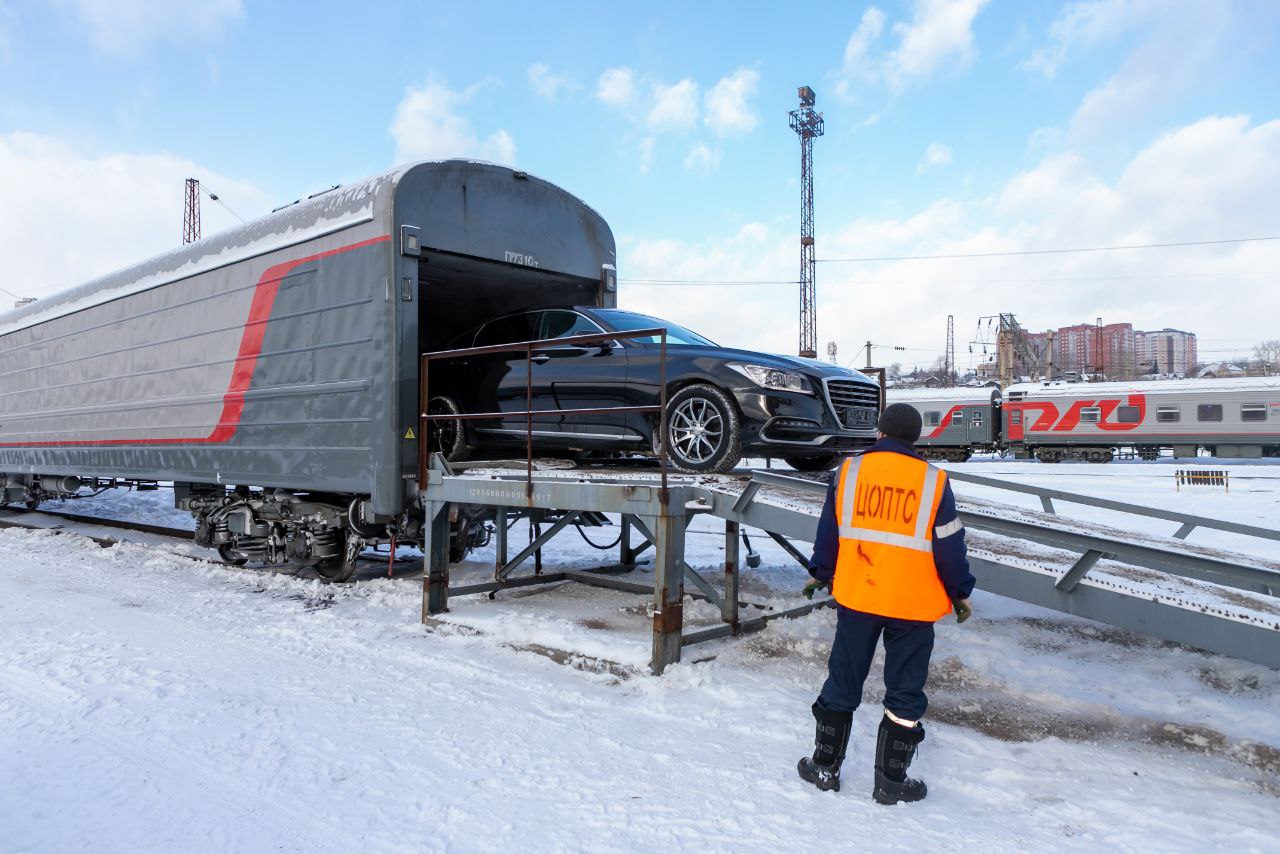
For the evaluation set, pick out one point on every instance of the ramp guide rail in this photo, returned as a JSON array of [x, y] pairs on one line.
[[1202, 600]]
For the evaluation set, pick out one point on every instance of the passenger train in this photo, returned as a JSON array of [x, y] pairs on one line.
[[1054, 421]]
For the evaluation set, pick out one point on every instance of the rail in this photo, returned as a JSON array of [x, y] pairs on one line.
[[1188, 521], [1090, 547], [529, 347]]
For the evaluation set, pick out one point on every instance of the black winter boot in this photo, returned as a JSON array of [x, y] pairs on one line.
[[895, 746], [830, 741]]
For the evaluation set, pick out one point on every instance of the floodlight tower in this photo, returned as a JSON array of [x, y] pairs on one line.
[[191, 217], [808, 126]]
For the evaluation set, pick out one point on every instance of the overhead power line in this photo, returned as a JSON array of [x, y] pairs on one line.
[[1045, 251], [948, 280], [216, 198]]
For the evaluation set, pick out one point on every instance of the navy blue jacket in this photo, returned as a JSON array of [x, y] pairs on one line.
[[949, 553]]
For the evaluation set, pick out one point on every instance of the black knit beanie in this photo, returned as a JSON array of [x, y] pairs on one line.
[[901, 421]]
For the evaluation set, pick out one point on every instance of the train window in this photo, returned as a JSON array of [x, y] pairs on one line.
[[1168, 414], [1128, 415], [1091, 414], [1209, 412], [1253, 412], [1015, 417], [957, 418], [933, 418]]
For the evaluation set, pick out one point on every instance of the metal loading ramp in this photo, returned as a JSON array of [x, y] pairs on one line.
[[1159, 586]]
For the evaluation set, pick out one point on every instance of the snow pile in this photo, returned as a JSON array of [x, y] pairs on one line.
[[150, 700]]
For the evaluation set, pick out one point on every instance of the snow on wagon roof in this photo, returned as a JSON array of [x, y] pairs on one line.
[[1063, 389], [960, 394], [324, 213]]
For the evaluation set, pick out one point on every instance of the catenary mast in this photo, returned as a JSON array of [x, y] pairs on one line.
[[191, 215]]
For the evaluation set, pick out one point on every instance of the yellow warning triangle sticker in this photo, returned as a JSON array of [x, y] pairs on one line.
[[408, 434]]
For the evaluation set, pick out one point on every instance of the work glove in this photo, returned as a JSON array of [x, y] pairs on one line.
[[963, 609], [813, 587]]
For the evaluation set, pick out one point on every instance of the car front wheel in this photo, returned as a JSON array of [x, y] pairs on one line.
[[703, 432]]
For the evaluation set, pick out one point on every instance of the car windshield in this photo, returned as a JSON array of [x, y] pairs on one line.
[[623, 321]]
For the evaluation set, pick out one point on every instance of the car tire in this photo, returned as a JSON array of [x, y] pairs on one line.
[[704, 435], [447, 437], [813, 462]]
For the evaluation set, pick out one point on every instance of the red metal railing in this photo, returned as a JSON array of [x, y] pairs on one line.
[[529, 348]]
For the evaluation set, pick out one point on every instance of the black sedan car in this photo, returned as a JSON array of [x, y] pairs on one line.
[[722, 403]]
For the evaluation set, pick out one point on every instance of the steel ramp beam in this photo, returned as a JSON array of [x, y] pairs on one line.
[[1257, 642]]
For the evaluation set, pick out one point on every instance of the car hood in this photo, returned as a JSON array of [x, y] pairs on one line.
[[810, 367]]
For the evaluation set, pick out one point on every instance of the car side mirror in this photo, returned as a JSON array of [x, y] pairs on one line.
[[607, 347]]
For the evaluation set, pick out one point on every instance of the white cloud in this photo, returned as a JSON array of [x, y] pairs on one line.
[[617, 87], [1212, 179], [939, 35], [108, 211], [941, 31], [428, 125], [870, 121], [646, 154], [729, 110], [125, 27], [1084, 24], [1175, 54], [548, 84], [702, 158], [937, 154], [674, 107]]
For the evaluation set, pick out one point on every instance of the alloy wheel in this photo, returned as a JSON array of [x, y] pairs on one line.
[[696, 429]]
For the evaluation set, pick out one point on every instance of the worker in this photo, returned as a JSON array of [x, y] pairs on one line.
[[891, 549]]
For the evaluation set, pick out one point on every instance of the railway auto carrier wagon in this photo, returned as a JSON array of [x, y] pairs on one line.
[[271, 371]]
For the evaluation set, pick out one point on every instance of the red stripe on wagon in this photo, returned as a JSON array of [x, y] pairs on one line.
[[255, 330]]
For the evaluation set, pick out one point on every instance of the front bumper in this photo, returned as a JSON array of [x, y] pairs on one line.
[[796, 424]]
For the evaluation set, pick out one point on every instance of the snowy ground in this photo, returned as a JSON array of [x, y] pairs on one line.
[[150, 701]]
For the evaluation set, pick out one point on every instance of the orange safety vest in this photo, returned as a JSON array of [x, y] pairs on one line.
[[887, 503]]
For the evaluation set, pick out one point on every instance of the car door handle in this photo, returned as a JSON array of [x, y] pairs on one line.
[[540, 358]]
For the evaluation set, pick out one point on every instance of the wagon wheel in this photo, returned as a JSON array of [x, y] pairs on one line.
[[340, 568], [228, 555]]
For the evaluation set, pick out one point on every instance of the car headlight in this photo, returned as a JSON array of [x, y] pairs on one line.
[[772, 378]]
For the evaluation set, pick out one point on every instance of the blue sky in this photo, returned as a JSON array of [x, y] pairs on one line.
[[963, 126]]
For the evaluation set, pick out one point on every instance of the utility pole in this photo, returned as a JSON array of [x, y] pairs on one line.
[[191, 216], [949, 371], [1097, 351], [808, 125]]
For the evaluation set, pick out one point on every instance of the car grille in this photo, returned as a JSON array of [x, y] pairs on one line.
[[855, 404]]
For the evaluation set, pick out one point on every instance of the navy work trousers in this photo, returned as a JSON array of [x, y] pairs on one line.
[[907, 647]]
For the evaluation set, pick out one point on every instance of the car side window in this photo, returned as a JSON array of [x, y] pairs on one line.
[[508, 330], [565, 324]]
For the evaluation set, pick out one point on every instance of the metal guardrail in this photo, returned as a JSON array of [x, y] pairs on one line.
[[530, 347], [1188, 521]]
